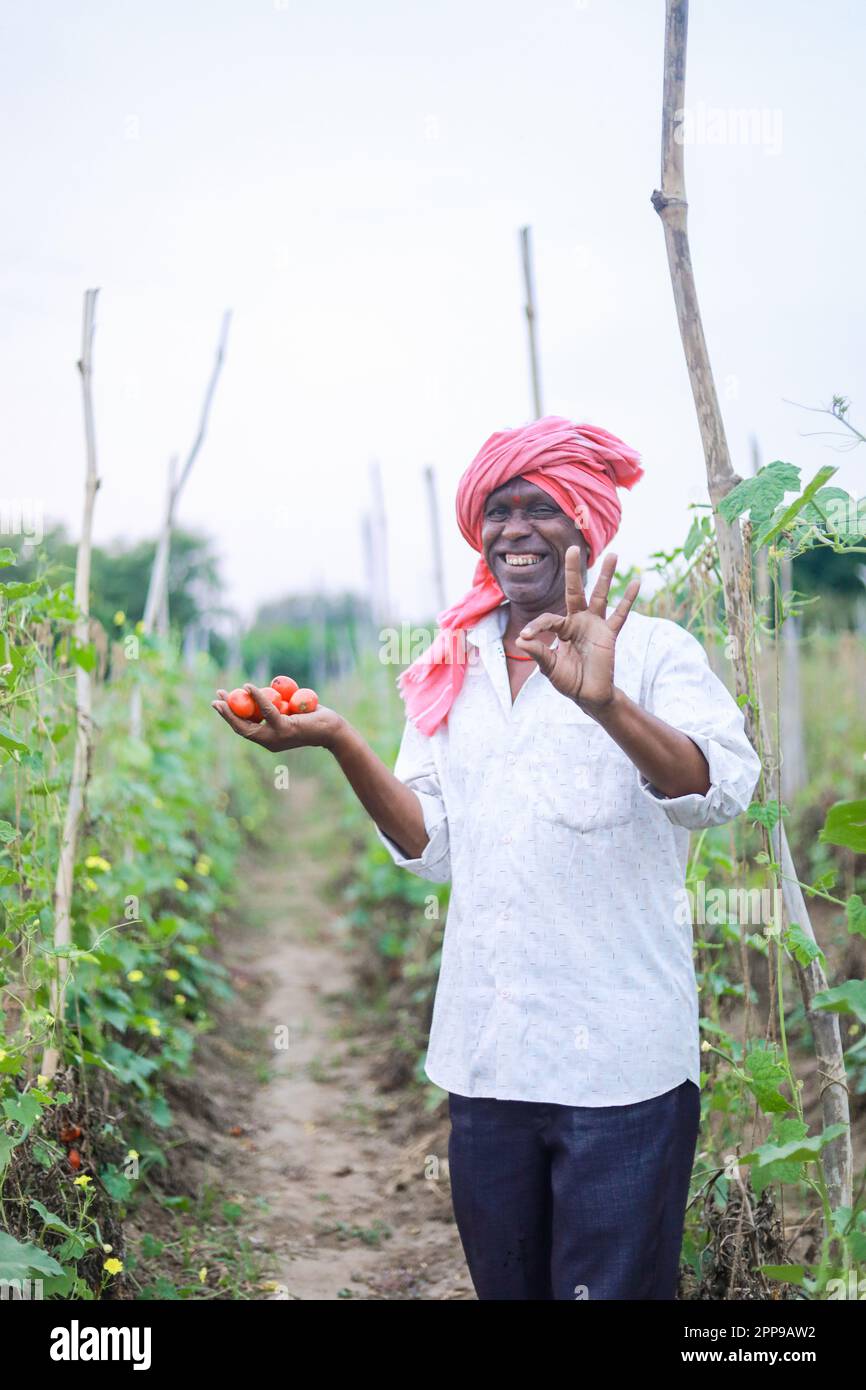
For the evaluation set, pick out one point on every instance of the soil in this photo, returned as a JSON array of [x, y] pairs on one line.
[[344, 1184]]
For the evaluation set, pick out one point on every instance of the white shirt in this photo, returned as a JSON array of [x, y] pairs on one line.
[[567, 973]]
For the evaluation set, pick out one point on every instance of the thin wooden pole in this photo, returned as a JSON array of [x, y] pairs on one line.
[[435, 537], [670, 203], [83, 701], [531, 315], [157, 593], [379, 545]]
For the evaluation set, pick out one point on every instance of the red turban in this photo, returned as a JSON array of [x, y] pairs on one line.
[[580, 467]]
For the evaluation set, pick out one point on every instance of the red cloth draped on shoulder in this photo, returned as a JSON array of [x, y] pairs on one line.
[[580, 467]]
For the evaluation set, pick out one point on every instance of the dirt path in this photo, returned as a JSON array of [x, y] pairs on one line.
[[336, 1168]]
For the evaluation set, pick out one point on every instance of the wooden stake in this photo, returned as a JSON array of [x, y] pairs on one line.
[[156, 607], [83, 701], [435, 538], [670, 204], [529, 309]]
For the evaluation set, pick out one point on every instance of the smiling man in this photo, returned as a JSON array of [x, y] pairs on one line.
[[556, 754]]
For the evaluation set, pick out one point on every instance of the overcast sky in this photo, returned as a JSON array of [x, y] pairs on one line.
[[349, 178]]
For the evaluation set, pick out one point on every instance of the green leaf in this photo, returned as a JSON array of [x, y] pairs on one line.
[[53, 1223], [765, 1074], [115, 1183], [783, 524], [785, 1274], [7, 556], [761, 495], [800, 946], [693, 539], [846, 825], [855, 909], [784, 1131], [85, 657], [22, 1108], [766, 814], [12, 745], [798, 1150], [847, 998], [825, 882], [856, 1242], [19, 590], [19, 1261], [7, 832], [8, 1143]]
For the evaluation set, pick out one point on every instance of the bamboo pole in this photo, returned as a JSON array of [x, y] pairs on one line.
[[83, 700], [435, 537], [379, 545], [670, 203], [156, 605], [157, 593], [530, 311]]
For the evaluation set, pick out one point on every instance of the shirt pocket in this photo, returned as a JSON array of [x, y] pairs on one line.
[[588, 783]]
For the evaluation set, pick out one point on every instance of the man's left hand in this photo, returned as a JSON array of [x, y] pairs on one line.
[[581, 667]]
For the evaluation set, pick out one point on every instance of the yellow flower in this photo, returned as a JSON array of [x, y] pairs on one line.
[[202, 866], [89, 884], [181, 885], [43, 1081], [180, 999], [153, 1026], [202, 1274], [113, 1266], [135, 975], [3, 1054], [82, 1181], [172, 974], [139, 627], [95, 861], [191, 950], [119, 618]]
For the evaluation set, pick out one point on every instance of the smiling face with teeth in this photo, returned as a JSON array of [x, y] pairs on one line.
[[524, 536]]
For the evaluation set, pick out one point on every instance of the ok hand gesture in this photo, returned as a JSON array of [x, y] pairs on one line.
[[581, 666]]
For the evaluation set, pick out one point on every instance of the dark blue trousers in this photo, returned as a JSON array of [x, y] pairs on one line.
[[573, 1202]]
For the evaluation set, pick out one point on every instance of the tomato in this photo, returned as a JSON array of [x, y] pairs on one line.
[[74, 1159], [284, 686], [241, 703], [70, 1133], [303, 701], [281, 705]]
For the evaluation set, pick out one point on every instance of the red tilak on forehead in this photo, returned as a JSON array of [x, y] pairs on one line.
[[515, 499]]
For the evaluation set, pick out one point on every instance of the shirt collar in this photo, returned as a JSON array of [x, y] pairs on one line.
[[489, 628]]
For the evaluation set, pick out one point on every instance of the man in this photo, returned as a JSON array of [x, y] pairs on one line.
[[556, 754]]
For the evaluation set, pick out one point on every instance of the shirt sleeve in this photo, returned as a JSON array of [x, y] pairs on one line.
[[416, 769], [686, 693]]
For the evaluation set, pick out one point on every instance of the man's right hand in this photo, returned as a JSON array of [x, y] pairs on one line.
[[280, 732]]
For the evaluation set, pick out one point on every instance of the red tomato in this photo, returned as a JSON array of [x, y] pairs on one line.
[[284, 686], [74, 1159], [303, 701], [281, 705], [241, 703]]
